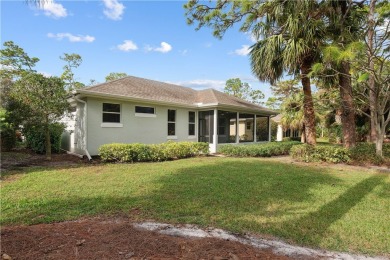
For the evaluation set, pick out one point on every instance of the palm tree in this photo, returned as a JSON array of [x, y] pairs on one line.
[[292, 33], [292, 114]]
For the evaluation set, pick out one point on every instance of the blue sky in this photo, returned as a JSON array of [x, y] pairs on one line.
[[147, 39]]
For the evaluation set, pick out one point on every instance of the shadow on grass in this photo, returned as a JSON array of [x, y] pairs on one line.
[[212, 191], [294, 202], [238, 194], [313, 226]]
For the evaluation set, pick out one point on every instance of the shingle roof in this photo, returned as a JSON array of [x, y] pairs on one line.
[[146, 89]]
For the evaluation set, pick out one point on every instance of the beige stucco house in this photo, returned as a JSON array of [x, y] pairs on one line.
[[283, 132], [137, 110]]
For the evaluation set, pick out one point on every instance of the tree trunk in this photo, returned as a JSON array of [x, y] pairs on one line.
[[379, 145], [303, 135], [47, 140], [371, 79], [347, 106], [308, 106]]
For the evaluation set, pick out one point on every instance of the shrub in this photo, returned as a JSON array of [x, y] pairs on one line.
[[289, 139], [151, 152], [8, 138], [320, 153], [7, 132], [365, 153], [257, 150], [35, 137]]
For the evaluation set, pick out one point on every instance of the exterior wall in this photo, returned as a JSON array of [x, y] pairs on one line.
[[132, 128], [80, 128], [279, 133]]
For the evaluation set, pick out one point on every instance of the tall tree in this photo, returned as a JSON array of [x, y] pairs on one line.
[[344, 21], [115, 75], [73, 61], [237, 88], [290, 33], [44, 98], [14, 61], [375, 71]]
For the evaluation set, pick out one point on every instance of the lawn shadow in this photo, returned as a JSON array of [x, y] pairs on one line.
[[311, 228], [237, 194]]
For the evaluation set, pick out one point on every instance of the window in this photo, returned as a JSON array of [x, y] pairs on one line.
[[145, 110], [171, 122], [248, 125], [191, 123], [111, 113]]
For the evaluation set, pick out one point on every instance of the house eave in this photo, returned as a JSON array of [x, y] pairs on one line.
[[133, 99], [84, 93]]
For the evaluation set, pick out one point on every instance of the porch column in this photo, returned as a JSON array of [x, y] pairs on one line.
[[215, 135], [269, 128], [254, 129], [237, 128]]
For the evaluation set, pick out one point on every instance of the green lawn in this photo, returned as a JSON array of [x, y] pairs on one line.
[[337, 208]]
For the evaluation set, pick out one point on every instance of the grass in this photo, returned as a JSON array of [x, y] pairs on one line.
[[343, 208]]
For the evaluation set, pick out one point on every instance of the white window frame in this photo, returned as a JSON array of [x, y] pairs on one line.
[[138, 114], [171, 122], [112, 124], [191, 123]]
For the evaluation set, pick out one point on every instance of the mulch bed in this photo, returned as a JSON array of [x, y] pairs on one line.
[[116, 239]]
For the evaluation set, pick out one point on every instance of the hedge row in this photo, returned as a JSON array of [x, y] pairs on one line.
[[258, 150], [320, 153], [151, 152], [365, 153], [362, 153]]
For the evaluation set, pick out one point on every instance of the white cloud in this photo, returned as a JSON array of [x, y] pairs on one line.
[[202, 84], [127, 45], [113, 9], [164, 48], [53, 9], [245, 49], [71, 37]]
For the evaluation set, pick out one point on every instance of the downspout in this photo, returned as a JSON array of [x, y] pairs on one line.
[[86, 125]]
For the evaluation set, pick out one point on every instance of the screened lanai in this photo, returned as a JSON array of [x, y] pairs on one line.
[[232, 127]]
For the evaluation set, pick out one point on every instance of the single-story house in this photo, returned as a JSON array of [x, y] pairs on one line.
[[137, 110], [283, 132]]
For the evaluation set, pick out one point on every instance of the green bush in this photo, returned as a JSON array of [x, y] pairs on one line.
[[365, 153], [151, 152], [8, 138], [257, 150], [35, 137], [7, 132], [320, 153], [289, 139]]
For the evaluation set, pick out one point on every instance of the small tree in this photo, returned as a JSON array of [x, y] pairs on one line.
[[45, 99], [237, 88], [116, 75], [73, 61]]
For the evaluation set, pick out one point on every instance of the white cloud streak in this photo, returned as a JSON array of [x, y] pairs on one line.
[[243, 51], [71, 37], [202, 84], [164, 48], [113, 9], [53, 9], [127, 46]]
